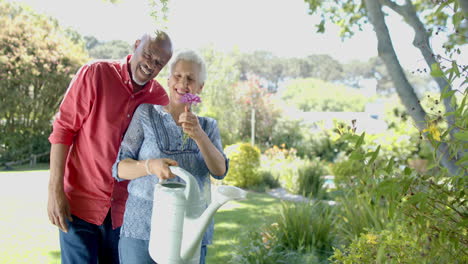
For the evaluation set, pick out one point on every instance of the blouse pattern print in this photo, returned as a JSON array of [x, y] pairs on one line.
[[152, 133]]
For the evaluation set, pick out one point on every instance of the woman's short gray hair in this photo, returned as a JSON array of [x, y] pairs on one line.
[[191, 56]]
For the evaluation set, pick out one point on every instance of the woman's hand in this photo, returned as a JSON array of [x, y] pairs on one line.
[[160, 167], [190, 124]]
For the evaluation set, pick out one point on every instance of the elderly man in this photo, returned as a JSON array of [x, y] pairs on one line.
[[85, 202]]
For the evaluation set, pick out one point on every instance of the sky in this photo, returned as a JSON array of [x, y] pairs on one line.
[[283, 27]]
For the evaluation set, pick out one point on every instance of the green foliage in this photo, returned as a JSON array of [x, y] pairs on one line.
[[298, 176], [429, 205], [263, 64], [291, 132], [252, 250], [324, 145], [305, 227], [115, 49], [268, 181], [394, 246], [38, 60], [316, 95], [284, 165], [244, 165], [254, 99], [219, 96], [302, 233], [310, 179]]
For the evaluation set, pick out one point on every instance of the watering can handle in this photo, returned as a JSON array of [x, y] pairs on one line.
[[190, 181]]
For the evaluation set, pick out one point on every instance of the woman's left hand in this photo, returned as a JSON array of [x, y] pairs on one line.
[[190, 124]]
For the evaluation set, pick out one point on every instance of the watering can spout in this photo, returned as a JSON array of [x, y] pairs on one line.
[[195, 228]]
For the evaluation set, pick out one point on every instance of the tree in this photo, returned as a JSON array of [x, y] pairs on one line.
[[114, 49], [320, 96], [356, 71], [257, 110], [38, 61], [354, 14], [219, 95]]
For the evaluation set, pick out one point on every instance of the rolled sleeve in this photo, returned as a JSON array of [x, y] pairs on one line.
[[213, 134], [75, 107], [133, 139]]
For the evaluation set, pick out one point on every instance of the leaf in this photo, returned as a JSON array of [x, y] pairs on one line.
[[360, 140], [436, 71], [462, 160], [441, 6], [389, 167], [457, 18], [356, 155], [461, 136], [321, 27], [447, 94], [455, 68], [374, 155], [407, 171]]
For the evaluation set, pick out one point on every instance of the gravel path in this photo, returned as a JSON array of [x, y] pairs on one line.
[[282, 194]]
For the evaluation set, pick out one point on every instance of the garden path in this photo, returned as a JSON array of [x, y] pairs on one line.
[[282, 194]]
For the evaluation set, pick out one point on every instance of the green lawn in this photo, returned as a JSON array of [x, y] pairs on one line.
[[26, 167], [235, 217], [26, 236]]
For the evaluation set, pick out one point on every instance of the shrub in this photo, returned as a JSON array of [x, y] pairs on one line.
[[430, 204], [395, 246], [255, 249], [261, 246], [310, 181], [244, 165], [305, 227], [283, 164]]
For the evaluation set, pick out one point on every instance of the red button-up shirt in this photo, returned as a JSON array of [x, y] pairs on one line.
[[92, 119]]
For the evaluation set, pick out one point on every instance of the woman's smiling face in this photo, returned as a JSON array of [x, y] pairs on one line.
[[185, 78]]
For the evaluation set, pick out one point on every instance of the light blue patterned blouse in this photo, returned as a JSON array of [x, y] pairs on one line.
[[152, 134]]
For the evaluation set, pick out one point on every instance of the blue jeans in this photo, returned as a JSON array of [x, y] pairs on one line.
[[89, 243], [133, 251]]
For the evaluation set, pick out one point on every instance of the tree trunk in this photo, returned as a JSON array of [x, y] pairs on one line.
[[421, 41], [403, 87]]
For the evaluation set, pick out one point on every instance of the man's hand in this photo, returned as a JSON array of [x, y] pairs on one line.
[[160, 167], [58, 209]]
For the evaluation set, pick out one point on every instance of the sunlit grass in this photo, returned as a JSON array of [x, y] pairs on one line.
[[26, 236], [241, 215]]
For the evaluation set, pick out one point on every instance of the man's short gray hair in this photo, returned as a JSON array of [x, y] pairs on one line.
[[191, 56], [157, 35]]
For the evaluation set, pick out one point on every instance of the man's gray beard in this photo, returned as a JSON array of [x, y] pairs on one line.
[[137, 82]]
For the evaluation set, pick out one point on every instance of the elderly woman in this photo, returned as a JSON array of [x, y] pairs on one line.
[[153, 142]]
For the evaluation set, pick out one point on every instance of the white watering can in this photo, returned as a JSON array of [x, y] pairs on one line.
[[179, 218]]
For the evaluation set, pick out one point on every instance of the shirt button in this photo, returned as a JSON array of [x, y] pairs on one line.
[[133, 96], [128, 115]]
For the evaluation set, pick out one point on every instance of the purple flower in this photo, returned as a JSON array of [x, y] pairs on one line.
[[190, 99]]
